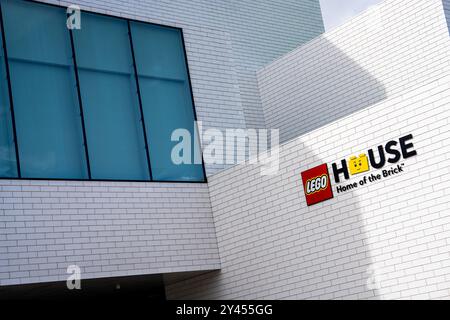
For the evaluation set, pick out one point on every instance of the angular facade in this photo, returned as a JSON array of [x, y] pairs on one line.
[[379, 84]]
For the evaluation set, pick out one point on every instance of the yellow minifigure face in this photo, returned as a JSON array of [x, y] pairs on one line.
[[358, 164]]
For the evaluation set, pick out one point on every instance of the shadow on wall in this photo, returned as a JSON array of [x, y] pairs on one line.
[[314, 86], [271, 244]]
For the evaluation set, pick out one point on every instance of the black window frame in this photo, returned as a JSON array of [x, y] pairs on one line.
[[80, 103]]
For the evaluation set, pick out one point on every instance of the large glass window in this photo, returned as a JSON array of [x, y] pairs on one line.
[[100, 102]]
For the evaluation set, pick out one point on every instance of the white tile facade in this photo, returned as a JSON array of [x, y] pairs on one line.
[[117, 229], [381, 76], [106, 228], [396, 46]]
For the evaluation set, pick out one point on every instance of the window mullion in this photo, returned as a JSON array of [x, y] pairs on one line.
[[77, 79]]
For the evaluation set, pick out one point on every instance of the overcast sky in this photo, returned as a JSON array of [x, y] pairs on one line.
[[336, 12]]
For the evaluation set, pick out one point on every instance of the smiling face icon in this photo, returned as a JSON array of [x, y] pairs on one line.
[[358, 164]]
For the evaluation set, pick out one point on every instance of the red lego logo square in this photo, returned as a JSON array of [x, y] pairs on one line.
[[317, 185]]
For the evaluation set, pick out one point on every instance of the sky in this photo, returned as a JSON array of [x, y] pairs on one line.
[[336, 12]]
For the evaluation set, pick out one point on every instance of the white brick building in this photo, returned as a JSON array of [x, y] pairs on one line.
[[242, 235]]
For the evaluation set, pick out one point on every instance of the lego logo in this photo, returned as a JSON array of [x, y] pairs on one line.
[[316, 184]]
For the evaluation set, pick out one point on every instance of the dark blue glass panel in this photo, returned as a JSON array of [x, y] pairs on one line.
[[166, 99], [48, 122], [110, 101]]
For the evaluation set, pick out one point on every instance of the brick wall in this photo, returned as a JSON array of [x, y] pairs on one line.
[[106, 228], [389, 239], [393, 47], [115, 229], [262, 31]]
